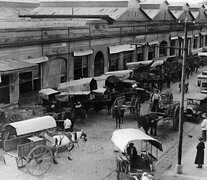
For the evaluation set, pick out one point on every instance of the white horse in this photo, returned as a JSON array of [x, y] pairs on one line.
[[63, 139]]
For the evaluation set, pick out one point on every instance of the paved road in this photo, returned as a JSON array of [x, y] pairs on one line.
[[96, 159]]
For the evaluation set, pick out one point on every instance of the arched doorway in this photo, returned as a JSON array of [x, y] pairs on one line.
[[99, 64], [163, 49], [57, 72]]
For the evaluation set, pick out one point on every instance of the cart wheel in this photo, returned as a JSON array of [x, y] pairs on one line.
[[21, 162], [39, 160], [14, 118]]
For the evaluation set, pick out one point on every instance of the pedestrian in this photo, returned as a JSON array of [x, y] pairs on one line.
[[132, 155], [200, 153], [196, 66], [155, 100], [204, 127], [68, 125]]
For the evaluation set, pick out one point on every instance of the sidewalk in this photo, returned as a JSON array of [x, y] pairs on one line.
[[189, 169]]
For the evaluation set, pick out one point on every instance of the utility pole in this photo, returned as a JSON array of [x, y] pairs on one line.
[[181, 114]]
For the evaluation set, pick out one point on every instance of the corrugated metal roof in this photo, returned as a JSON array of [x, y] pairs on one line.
[[152, 13], [195, 5], [153, 1], [177, 4], [195, 14], [114, 13], [177, 14], [9, 12]]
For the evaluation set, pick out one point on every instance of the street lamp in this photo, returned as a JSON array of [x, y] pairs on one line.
[[181, 114]]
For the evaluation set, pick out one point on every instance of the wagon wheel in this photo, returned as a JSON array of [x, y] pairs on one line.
[[14, 118], [39, 160], [176, 117]]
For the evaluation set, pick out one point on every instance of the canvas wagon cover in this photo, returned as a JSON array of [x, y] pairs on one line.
[[197, 96], [31, 125], [122, 137], [123, 74], [85, 84], [137, 65], [44, 93]]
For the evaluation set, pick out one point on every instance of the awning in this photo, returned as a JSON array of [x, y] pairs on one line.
[[36, 60], [174, 38], [153, 42], [9, 66], [189, 36], [31, 125], [121, 48], [83, 53], [203, 33]]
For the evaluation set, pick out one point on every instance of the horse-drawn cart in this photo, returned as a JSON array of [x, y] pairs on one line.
[[22, 145], [144, 159], [168, 109]]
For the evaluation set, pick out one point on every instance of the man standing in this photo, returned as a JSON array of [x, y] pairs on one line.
[[204, 127], [155, 100], [132, 154], [67, 125]]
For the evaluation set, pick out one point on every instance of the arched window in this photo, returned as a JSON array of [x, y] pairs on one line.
[[99, 64], [163, 49]]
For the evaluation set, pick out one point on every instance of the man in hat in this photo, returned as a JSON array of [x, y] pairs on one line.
[[200, 153], [204, 127], [132, 154]]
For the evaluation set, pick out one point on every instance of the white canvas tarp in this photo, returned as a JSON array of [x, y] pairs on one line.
[[202, 53], [31, 125], [124, 74], [122, 137], [85, 84], [137, 65]]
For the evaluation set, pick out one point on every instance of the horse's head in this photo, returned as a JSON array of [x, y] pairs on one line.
[[83, 136]]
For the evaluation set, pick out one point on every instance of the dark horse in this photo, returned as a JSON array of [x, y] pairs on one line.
[[148, 121], [118, 114]]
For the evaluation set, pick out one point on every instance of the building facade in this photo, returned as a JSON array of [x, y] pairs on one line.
[[56, 42]]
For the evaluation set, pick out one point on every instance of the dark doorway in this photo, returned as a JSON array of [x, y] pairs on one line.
[[4, 89], [25, 82], [163, 48], [99, 64]]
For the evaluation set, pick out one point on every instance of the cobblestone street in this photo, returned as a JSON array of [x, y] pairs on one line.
[[96, 160]]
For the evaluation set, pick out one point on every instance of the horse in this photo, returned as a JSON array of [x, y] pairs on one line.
[[148, 121], [118, 114], [63, 139]]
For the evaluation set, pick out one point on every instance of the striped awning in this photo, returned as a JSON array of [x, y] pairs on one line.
[[9, 66]]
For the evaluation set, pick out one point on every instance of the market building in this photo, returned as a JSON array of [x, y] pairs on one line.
[[47, 43]]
